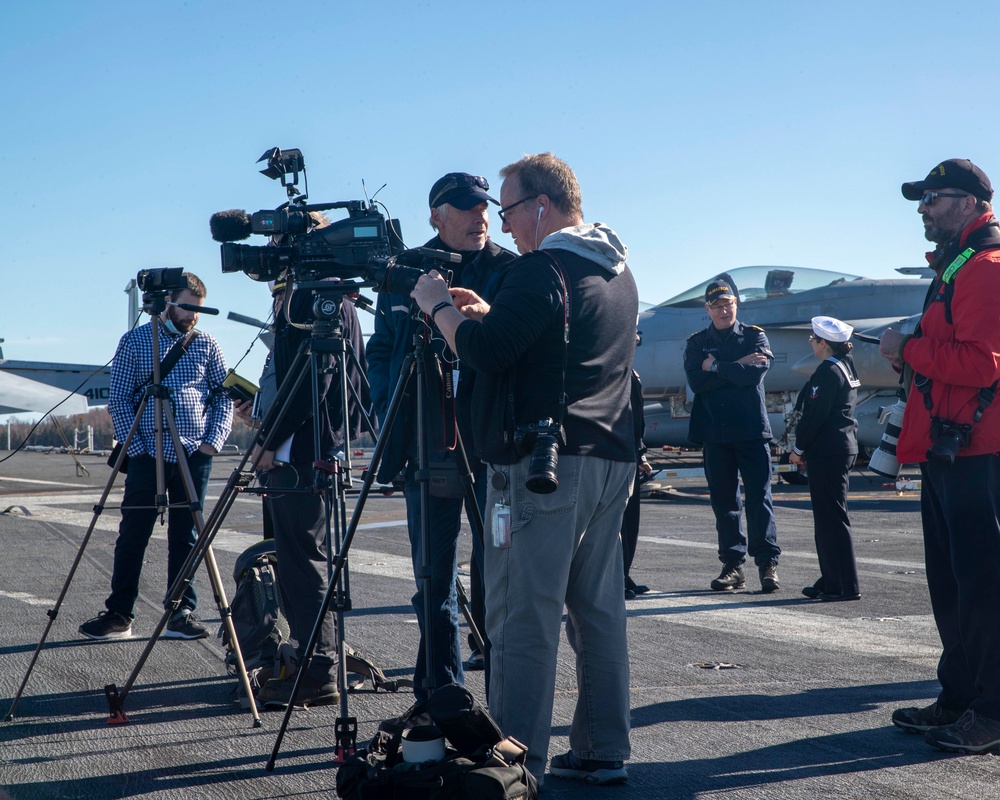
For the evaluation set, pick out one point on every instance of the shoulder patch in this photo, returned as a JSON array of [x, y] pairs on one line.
[[753, 328], [693, 335]]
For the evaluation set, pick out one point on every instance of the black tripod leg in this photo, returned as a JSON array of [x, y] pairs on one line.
[[476, 523], [207, 533], [98, 510], [338, 566], [182, 581]]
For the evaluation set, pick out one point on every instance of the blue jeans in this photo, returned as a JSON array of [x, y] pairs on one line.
[[445, 520], [565, 551], [724, 463], [136, 527]]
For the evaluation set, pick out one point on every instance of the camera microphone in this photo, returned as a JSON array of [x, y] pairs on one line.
[[437, 255], [230, 226], [196, 309]]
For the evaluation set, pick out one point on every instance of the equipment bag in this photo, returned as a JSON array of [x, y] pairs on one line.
[[257, 619], [480, 764]]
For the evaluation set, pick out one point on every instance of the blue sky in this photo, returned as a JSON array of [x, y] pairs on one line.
[[710, 135]]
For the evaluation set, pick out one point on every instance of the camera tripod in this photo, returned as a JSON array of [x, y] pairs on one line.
[[413, 364], [154, 303]]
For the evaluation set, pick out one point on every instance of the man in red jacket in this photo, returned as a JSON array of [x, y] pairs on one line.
[[952, 429]]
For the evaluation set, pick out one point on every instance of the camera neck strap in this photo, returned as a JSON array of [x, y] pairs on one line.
[[173, 356], [564, 283]]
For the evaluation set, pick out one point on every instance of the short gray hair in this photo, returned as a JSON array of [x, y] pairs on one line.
[[546, 174]]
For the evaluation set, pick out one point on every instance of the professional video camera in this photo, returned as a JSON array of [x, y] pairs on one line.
[[364, 246], [345, 249]]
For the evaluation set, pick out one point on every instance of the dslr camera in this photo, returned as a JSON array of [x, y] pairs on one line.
[[542, 440], [949, 437]]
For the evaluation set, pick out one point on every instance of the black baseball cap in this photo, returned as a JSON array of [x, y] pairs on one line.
[[955, 173], [460, 189], [718, 290]]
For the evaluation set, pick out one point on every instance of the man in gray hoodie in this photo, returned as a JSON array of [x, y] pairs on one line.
[[553, 354]]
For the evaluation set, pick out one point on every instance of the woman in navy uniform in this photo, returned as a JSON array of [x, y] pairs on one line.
[[826, 441]]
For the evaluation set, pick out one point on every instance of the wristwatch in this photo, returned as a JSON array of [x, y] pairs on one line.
[[714, 367], [438, 307]]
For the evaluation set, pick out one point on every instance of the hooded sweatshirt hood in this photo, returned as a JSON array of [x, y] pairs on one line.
[[594, 241]]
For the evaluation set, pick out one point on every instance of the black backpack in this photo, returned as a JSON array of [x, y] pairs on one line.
[[257, 618], [263, 633]]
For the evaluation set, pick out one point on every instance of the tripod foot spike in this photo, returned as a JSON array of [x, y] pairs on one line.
[[117, 716], [346, 733]]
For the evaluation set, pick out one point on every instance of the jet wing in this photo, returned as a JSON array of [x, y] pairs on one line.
[[19, 395]]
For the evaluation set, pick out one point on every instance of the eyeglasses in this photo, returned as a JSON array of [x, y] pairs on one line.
[[813, 338], [502, 213], [720, 305], [461, 182], [928, 198]]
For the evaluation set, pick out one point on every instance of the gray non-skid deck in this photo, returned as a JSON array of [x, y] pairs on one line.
[[739, 695]]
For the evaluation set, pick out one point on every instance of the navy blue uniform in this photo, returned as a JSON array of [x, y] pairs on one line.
[[826, 437], [729, 419]]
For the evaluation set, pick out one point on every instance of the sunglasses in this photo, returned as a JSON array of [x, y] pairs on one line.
[[461, 182], [928, 198]]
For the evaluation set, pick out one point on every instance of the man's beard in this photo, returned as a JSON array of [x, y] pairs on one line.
[[945, 229], [182, 325]]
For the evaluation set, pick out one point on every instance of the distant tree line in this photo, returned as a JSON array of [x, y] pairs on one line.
[[47, 433]]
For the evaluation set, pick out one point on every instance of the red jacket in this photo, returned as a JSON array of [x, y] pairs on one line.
[[960, 358]]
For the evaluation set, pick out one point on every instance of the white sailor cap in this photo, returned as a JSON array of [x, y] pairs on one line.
[[830, 329]]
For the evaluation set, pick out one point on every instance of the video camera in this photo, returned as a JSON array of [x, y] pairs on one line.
[[300, 241], [364, 246], [167, 280]]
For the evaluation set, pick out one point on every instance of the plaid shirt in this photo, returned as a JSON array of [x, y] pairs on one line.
[[203, 416]]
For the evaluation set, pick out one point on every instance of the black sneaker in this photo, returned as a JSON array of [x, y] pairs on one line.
[[769, 577], [185, 626], [276, 692], [972, 733], [730, 578], [588, 769], [107, 625], [918, 720]]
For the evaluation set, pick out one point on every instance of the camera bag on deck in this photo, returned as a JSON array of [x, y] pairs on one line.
[[480, 763], [260, 627]]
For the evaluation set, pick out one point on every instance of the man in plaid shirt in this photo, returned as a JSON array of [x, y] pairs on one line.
[[204, 417]]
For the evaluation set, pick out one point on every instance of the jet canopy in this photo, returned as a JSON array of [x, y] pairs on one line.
[[753, 284]]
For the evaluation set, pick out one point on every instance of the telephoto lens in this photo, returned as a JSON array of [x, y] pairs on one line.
[[883, 460], [542, 468]]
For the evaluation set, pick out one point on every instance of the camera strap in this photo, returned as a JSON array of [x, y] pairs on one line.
[[561, 274], [170, 359]]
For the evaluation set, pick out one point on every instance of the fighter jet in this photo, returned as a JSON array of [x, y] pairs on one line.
[[781, 300]]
